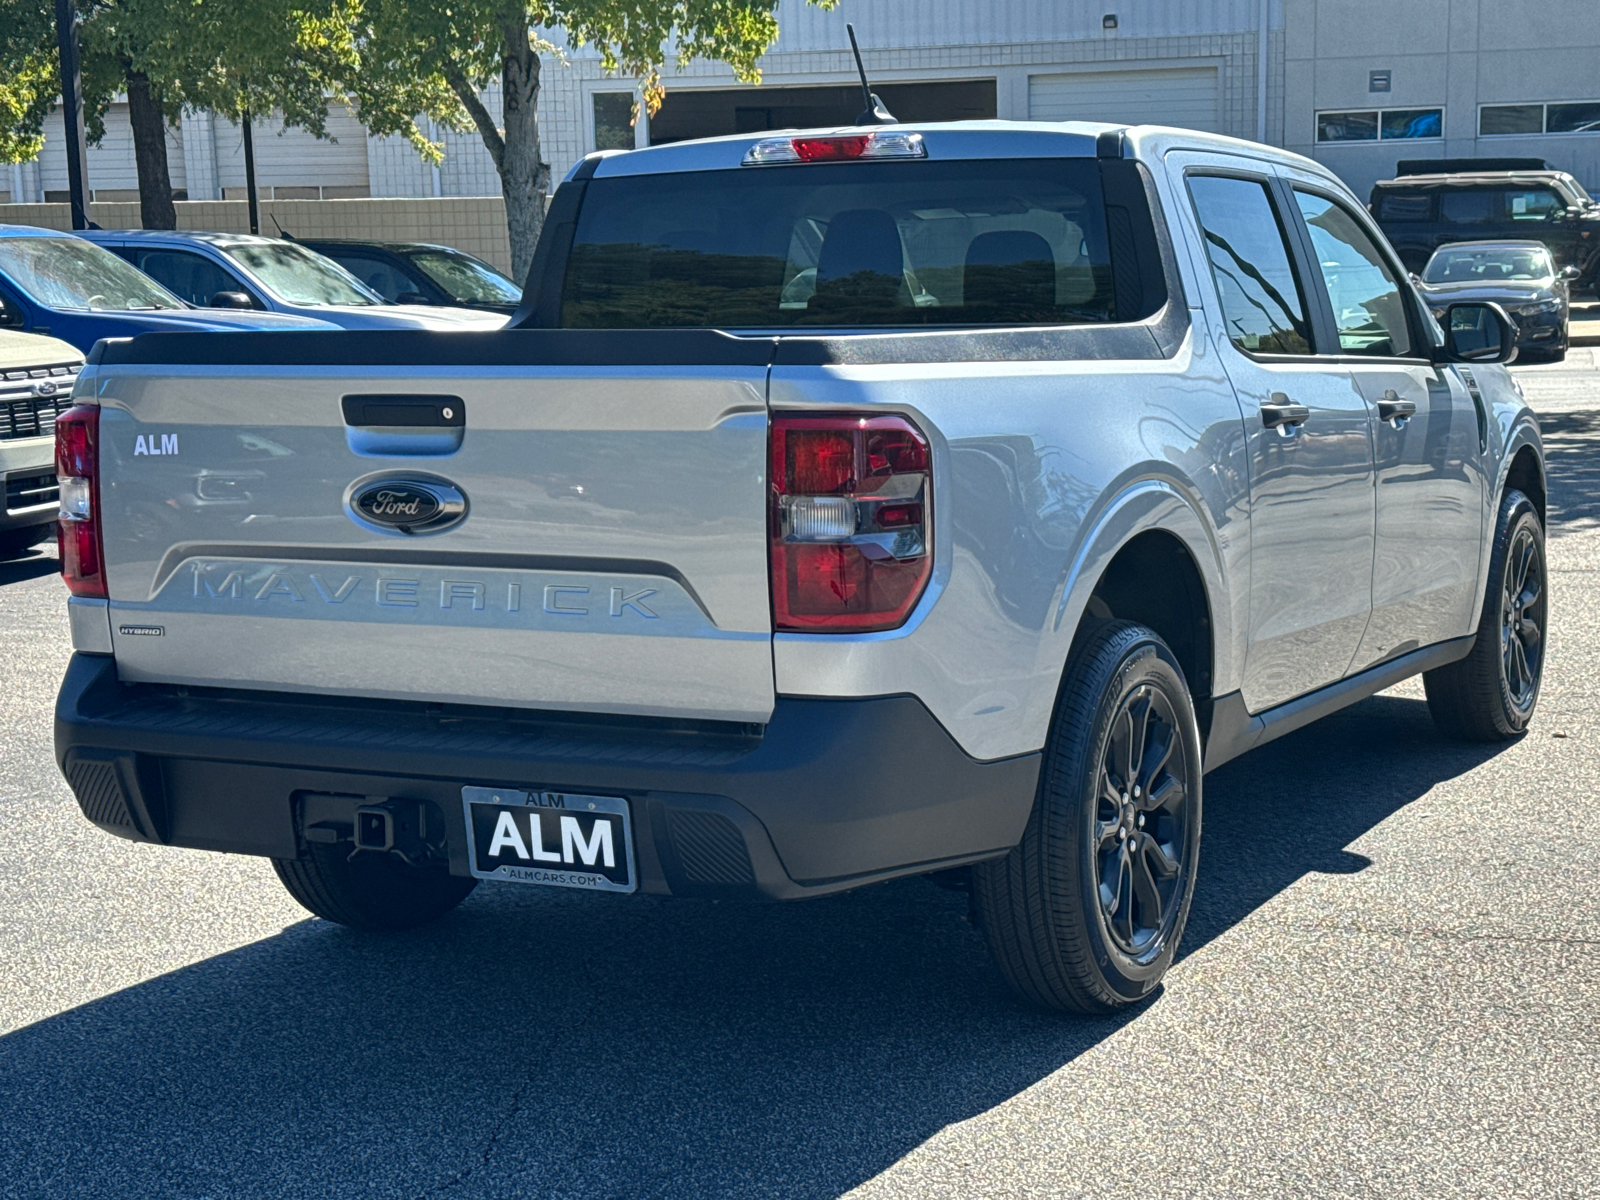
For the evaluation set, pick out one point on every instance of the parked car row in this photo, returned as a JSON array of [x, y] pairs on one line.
[[1421, 213], [61, 293], [104, 283]]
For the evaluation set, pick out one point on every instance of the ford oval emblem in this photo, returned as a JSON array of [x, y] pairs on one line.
[[409, 505]]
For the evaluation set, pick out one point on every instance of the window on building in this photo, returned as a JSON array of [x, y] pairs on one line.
[[1347, 127], [1572, 118], [1495, 119], [1412, 123], [1582, 116], [1389, 124], [1249, 254], [613, 120]]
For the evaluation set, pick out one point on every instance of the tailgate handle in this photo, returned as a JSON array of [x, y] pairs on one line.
[[383, 425], [411, 412]]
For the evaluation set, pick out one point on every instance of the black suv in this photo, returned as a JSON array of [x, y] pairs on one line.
[[1420, 213]]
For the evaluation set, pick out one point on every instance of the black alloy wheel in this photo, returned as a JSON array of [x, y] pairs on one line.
[[1086, 913], [1490, 694], [1522, 618], [1142, 823]]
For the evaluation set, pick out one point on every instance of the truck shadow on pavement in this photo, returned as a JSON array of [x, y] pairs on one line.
[[549, 1044], [36, 566], [1572, 459]]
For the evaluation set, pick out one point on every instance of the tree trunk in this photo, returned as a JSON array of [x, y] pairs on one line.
[[150, 152], [524, 179]]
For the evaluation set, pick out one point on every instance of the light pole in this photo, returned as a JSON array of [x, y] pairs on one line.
[[72, 112], [250, 174]]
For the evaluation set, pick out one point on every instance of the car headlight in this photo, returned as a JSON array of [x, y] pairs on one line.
[[1538, 306]]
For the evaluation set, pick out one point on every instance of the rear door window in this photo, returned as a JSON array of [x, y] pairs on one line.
[[1468, 206], [1249, 254], [1405, 206], [843, 244]]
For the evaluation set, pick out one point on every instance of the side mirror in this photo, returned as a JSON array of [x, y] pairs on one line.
[[1416, 280], [1570, 274], [231, 300], [1477, 332], [10, 315]]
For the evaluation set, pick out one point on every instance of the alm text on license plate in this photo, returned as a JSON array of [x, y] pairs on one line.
[[559, 839]]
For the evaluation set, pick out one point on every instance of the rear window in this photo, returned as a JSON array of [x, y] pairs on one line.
[[996, 242]]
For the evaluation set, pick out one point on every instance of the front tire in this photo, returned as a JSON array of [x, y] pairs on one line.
[[1490, 695], [1086, 913], [370, 891]]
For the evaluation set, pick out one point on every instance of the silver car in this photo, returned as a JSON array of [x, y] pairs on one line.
[[242, 271], [849, 504]]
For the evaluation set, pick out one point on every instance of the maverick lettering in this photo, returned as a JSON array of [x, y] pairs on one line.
[[282, 585]]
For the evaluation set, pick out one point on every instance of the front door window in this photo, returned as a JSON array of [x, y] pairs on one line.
[[1368, 308]]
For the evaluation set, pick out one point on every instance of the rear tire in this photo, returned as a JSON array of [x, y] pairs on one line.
[[1086, 913], [1490, 695], [371, 891]]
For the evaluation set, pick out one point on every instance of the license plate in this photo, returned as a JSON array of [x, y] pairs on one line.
[[558, 839]]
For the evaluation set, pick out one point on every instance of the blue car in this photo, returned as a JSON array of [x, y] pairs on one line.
[[57, 284]]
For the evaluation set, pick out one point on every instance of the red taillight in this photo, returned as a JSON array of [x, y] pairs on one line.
[[829, 149], [851, 544], [78, 474], [837, 148]]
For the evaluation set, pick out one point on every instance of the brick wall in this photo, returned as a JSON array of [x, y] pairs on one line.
[[475, 224]]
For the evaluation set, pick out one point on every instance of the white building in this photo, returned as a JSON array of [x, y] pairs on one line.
[[1357, 84]]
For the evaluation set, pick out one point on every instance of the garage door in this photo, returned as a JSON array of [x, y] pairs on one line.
[[1183, 96]]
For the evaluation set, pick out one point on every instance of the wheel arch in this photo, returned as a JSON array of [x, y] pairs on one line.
[[1525, 471], [1153, 557]]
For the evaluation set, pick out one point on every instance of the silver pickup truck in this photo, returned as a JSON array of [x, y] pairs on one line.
[[839, 506]]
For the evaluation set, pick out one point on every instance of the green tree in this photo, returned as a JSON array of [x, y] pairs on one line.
[[444, 55], [29, 76], [231, 57]]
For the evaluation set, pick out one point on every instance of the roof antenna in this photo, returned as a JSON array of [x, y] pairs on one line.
[[288, 237], [875, 113]]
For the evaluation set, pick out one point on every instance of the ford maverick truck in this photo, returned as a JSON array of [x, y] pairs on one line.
[[838, 506]]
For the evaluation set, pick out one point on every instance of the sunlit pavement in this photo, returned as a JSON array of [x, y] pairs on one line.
[[1390, 988]]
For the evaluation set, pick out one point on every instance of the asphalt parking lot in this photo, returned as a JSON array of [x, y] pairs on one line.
[[1389, 987]]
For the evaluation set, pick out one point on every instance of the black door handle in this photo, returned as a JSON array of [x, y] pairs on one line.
[[1278, 412], [1392, 408]]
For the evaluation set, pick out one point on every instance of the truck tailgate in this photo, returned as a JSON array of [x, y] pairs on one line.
[[612, 557]]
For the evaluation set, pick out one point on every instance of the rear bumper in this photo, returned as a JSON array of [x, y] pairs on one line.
[[830, 794]]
